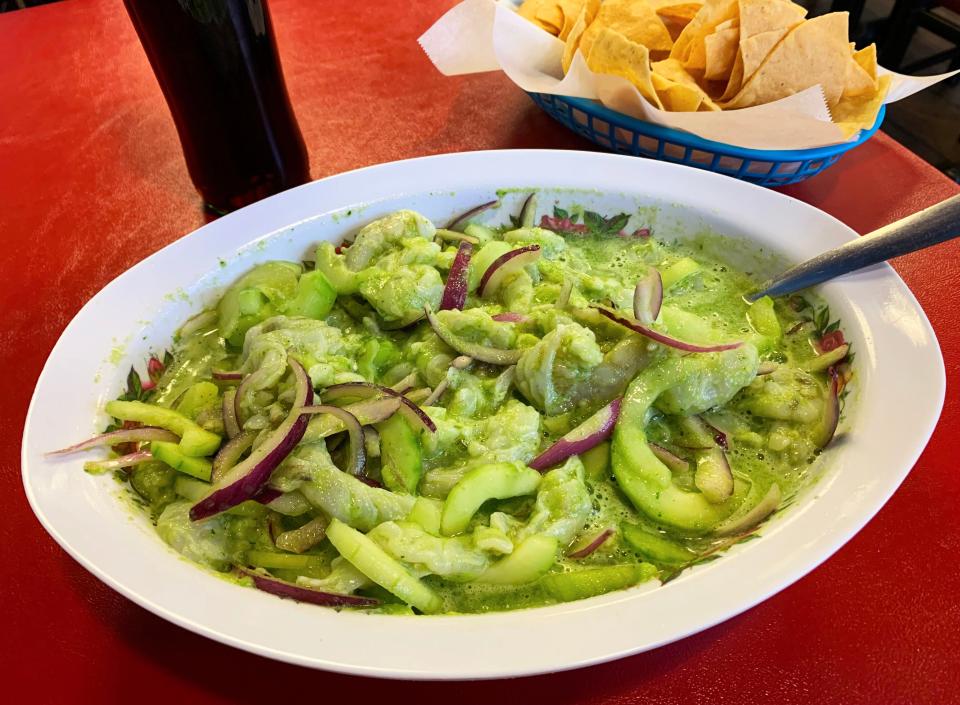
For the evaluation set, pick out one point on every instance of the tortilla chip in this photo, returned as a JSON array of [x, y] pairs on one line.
[[867, 58], [571, 10], [754, 50], [635, 20], [721, 51], [858, 81], [757, 16], [676, 17], [612, 53], [711, 14], [587, 13], [673, 70], [735, 82], [550, 15], [679, 11], [531, 10], [858, 113], [675, 96], [815, 52]]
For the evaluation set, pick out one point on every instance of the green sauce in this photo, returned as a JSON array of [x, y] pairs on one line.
[[568, 369]]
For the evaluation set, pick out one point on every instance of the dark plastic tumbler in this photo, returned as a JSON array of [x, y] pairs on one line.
[[217, 64]]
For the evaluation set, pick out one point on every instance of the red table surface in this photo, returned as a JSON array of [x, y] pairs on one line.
[[92, 180]]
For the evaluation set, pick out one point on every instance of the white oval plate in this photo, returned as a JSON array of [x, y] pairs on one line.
[[898, 366]]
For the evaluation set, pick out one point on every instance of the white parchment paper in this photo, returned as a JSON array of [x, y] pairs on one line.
[[484, 35]]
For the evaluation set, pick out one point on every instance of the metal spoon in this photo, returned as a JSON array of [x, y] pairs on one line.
[[931, 226]]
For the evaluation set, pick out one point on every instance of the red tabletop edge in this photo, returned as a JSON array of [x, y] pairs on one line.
[[92, 180]]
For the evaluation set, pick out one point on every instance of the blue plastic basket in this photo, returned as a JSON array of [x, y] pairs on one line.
[[627, 135]]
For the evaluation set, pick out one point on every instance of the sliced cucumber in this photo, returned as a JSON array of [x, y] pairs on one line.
[[678, 271], [335, 271], [285, 561], [481, 232], [763, 319], [400, 455], [596, 462], [530, 560], [194, 440], [588, 582], [170, 454], [315, 297], [373, 561], [191, 489], [654, 547], [492, 481], [199, 396], [483, 258], [426, 513]]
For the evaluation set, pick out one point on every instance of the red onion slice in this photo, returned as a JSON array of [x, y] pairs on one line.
[[266, 495], [227, 375], [674, 462], [760, 511], [124, 435], [292, 591], [368, 411], [230, 454], [455, 290], [245, 479], [592, 545], [648, 297], [590, 433], [504, 265], [484, 353], [124, 461], [713, 476], [366, 390], [355, 390], [229, 410], [719, 437], [416, 416], [831, 412], [528, 212], [643, 330], [511, 317], [357, 456], [462, 219]]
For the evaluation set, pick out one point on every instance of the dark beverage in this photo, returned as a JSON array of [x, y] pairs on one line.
[[217, 65]]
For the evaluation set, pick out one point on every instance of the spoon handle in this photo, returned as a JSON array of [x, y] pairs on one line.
[[928, 227]]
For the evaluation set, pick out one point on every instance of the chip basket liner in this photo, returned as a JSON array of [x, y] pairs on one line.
[[627, 135]]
